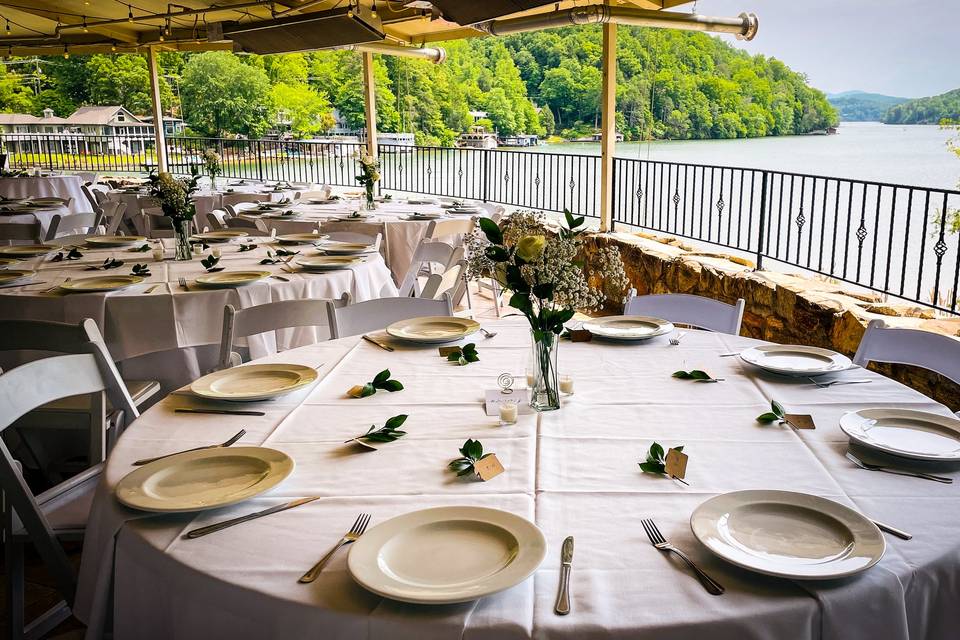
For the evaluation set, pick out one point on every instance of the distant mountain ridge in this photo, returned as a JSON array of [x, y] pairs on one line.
[[932, 110], [860, 106]]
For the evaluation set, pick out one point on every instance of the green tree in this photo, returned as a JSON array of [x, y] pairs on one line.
[[223, 95], [307, 111], [15, 97], [125, 81]]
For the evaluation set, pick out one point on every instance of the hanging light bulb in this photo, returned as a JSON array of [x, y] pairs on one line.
[[129, 13], [374, 12], [350, 11], [66, 52], [166, 27], [85, 30], [113, 47], [8, 26], [161, 34]]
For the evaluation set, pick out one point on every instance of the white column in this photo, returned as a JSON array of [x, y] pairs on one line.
[[608, 129], [370, 102], [158, 135]]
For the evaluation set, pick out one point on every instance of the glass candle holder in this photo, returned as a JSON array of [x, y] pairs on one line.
[[508, 412], [566, 385]]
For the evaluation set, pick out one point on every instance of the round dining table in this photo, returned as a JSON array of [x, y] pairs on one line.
[[159, 330], [60, 186], [572, 472]]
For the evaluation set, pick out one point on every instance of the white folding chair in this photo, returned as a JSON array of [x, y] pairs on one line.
[[236, 198], [112, 212], [16, 232], [428, 253], [932, 351], [216, 219], [73, 224], [456, 227], [694, 311], [377, 314], [323, 193], [447, 283], [155, 223], [358, 238], [60, 513], [282, 227], [285, 314], [88, 193]]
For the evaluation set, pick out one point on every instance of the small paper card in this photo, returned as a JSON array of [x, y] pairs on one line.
[[488, 468], [800, 420], [494, 397], [580, 335], [445, 351], [365, 445], [675, 464]]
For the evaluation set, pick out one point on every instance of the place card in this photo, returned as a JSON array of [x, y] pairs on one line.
[[580, 335], [493, 398], [488, 468], [799, 420], [446, 351], [675, 464]]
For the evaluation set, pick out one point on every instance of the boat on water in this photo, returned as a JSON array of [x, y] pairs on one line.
[[477, 138], [521, 140]]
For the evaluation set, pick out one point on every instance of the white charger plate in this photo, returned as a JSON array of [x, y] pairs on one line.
[[114, 241], [354, 216], [228, 279], [433, 329], [447, 555], [221, 236], [98, 284], [788, 534], [335, 248], [424, 215], [6, 263], [253, 382], [301, 238], [628, 328], [328, 263], [796, 360], [918, 435], [28, 250], [206, 479]]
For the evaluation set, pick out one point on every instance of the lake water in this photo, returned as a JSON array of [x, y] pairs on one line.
[[901, 154]]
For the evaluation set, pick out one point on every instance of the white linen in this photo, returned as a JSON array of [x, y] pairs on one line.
[[572, 471], [43, 216], [49, 187], [136, 324]]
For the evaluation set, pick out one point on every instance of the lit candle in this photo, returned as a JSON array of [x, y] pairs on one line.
[[508, 412], [215, 252], [158, 253], [566, 385], [197, 249], [530, 380]]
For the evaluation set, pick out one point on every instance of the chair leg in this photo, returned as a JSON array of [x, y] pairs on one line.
[[15, 589], [495, 290]]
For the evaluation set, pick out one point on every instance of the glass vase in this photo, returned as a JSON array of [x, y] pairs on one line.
[[181, 237], [213, 182], [542, 374], [369, 203]]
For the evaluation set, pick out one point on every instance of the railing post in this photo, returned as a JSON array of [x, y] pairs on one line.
[[613, 197], [762, 231], [483, 172], [259, 160]]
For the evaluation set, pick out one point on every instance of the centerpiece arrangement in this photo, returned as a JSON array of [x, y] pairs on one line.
[[174, 197], [542, 266], [214, 167], [369, 174]]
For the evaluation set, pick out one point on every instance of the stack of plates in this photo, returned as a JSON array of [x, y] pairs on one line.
[[628, 328], [206, 479], [301, 238], [225, 235], [329, 263], [28, 250], [433, 329], [917, 435], [466, 210], [16, 276], [796, 360], [115, 241], [253, 382], [100, 284], [446, 555], [335, 248], [788, 534], [229, 279]]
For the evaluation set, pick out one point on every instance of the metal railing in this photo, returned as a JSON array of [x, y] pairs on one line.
[[889, 238]]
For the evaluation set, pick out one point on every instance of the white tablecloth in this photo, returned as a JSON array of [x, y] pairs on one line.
[[43, 216], [49, 187], [161, 335], [573, 472]]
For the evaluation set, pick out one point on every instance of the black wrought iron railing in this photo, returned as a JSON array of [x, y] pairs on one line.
[[889, 238]]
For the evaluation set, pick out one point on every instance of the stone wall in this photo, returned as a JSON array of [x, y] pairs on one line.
[[784, 308]]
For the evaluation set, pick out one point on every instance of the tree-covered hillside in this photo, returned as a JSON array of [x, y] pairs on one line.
[[859, 106], [930, 110], [671, 84]]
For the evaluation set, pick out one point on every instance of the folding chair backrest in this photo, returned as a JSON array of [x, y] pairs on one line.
[[682, 308], [377, 314], [234, 198], [932, 351], [29, 232], [447, 228], [217, 219], [88, 193], [429, 252], [112, 211], [73, 223], [446, 283], [284, 314], [293, 226]]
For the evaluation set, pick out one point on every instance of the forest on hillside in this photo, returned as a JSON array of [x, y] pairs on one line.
[[671, 85], [932, 110]]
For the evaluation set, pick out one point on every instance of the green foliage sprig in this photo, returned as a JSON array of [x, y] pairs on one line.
[[73, 254], [247, 246], [141, 270], [464, 355], [286, 253], [210, 264], [141, 249], [389, 432], [109, 263], [776, 414], [696, 375], [380, 381], [470, 453], [656, 461]]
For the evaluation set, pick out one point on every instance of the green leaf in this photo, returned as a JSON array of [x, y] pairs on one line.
[[777, 408], [656, 451], [392, 385], [462, 361], [396, 421], [544, 291], [521, 301], [696, 374], [491, 230], [683, 375], [651, 467], [471, 357], [381, 377], [465, 472], [497, 253], [453, 356], [767, 418], [368, 390], [680, 448]]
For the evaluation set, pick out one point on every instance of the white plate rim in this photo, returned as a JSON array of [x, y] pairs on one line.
[[209, 279], [528, 560], [596, 327], [72, 285], [851, 424], [200, 386], [114, 241], [470, 327], [33, 250], [770, 495], [288, 238], [748, 356]]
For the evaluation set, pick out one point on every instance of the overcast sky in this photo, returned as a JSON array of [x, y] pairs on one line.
[[909, 49]]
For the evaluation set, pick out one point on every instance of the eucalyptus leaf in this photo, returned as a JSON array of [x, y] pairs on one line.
[[491, 230]]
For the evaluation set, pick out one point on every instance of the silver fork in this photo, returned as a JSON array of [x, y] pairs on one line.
[[359, 526], [236, 436], [899, 472], [830, 383], [57, 286], [489, 334], [183, 283], [676, 339], [656, 539]]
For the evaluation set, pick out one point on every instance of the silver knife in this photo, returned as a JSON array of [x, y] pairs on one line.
[[211, 528], [562, 607]]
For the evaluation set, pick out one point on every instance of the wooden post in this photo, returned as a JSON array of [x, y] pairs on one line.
[[370, 102], [158, 134], [608, 121]]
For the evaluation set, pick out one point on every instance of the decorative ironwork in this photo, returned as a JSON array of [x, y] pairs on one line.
[[861, 234], [940, 248]]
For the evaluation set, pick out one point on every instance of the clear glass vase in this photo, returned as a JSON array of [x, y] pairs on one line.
[[181, 237], [213, 182], [542, 373], [369, 203]]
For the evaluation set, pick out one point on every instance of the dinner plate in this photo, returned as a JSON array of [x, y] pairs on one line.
[[6, 263], [224, 235], [227, 279], [28, 250], [276, 205], [253, 382], [301, 238], [206, 479], [114, 241], [795, 360], [319, 200], [628, 328], [281, 215], [345, 248], [354, 216], [446, 555], [788, 534], [327, 263], [418, 215], [422, 201], [10, 276], [433, 329], [464, 212], [905, 432], [100, 283]]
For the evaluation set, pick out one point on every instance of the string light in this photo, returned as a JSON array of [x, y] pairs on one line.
[[161, 34], [374, 12], [113, 47], [66, 52], [129, 13], [8, 26], [166, 27], [85, 30]]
